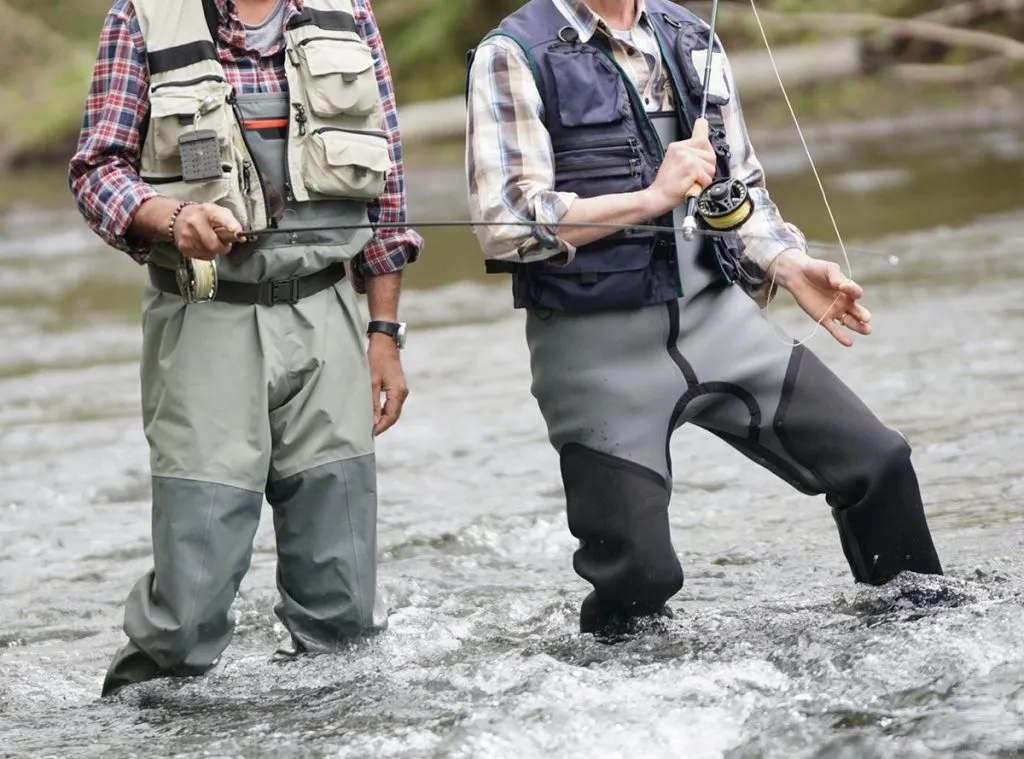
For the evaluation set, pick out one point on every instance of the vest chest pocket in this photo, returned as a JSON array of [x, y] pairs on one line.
[[589, 89], [339, 76], [172, 113], [342, 163]]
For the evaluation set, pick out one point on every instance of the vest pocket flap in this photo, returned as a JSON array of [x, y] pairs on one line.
[[330, 56], [186, 98], [347, 164], [172, 110], [339, 77], [363, 150]]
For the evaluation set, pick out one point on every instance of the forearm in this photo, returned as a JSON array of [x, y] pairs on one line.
[[382, 295], [151, 220], [620, 209]]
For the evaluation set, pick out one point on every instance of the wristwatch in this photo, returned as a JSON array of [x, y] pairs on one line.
[[395, 329]]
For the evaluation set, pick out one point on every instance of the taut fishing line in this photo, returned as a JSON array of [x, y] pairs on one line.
[[817, 177]]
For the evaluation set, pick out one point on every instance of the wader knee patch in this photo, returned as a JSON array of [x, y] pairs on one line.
[[827, 428], [619, 511], [865, 468]]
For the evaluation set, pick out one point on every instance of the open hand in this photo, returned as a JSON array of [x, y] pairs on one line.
[[824, 293]]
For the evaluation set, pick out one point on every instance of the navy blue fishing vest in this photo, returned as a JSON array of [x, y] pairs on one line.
[[604, 143]]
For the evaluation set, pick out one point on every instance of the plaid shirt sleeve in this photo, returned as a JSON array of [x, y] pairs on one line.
[[103, 174], [510, 165], [390, 249], [765, 234]]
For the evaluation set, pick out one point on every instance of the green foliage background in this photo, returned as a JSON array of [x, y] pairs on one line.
[[47, 48]]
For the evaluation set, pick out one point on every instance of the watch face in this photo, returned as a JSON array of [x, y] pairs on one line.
[[400, 337]]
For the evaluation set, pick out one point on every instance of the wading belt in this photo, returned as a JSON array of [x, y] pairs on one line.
[[270, 293]]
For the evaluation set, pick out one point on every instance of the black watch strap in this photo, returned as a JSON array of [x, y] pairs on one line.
[[388, 328], [392, 329]]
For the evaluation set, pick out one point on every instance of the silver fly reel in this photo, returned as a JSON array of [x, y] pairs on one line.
[[197, 280]]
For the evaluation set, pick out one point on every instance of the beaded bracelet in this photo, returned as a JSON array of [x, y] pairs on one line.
[[174, 218]]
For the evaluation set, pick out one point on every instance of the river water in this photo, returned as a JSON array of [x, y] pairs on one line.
[[773, 651]]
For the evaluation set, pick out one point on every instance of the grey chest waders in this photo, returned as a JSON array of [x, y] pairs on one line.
[[245, 402], [613, 386]]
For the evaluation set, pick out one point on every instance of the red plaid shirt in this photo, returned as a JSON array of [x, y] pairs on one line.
[[104, 172]]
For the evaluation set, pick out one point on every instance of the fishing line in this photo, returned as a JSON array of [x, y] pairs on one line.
[[817, 177]]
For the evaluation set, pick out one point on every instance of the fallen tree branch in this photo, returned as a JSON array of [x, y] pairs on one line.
[[937, 73], [964, 13]]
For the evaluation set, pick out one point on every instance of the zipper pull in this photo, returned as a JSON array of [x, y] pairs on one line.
[[300, 117], [247, 176]]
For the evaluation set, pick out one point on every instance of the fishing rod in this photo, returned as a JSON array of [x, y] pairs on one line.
[[197, 279], [250, 234], [724, 204]]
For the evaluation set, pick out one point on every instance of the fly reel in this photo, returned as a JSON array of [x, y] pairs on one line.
[[725, 205], [197, 280]]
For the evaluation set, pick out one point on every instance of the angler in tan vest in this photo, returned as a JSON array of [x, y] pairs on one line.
[[207, 118]]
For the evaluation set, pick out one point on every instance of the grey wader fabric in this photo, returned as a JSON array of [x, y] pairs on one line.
[[245, 401], [613, 387]]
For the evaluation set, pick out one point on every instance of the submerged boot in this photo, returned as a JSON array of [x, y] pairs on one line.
[[613, 626], [130, 666]]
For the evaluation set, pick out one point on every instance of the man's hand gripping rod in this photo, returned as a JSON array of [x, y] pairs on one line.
[[700, 129]]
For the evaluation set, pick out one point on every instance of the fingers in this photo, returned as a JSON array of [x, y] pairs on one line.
[[224, 223], [845, 320], [375, 384], [842, 283], [836, 331], [209, 242], [206, 231], [393, 403]]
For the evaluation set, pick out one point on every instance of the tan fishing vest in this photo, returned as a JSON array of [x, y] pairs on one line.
[[336, 147]]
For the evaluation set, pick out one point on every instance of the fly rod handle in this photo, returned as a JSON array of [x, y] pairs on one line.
[[700, 132]]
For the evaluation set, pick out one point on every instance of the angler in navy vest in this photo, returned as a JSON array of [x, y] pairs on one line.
[[583, 112]]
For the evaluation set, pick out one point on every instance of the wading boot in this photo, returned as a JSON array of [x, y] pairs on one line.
[[130, 666]]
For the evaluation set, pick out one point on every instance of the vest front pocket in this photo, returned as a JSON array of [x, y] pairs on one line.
[[212, 191], [345, 163], [590, 90], [172, 113], [339, 76]]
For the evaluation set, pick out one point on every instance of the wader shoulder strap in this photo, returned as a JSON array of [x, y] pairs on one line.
[[471, 55], [212, 18]]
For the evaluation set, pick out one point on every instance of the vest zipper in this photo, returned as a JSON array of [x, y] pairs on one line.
[[684, 116], [232, 100], [374, 132], [597, 164], [631, 143], [306, 41], [638, 104], [300, 120], [190, 82], [151, 180]]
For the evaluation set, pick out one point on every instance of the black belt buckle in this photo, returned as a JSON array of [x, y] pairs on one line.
[[281, 291]]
